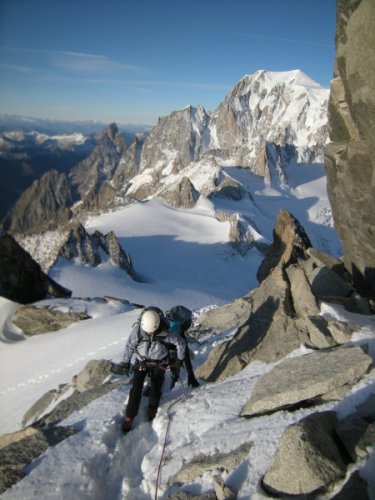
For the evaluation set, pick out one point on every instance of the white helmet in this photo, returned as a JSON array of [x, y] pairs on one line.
[[150, 321]]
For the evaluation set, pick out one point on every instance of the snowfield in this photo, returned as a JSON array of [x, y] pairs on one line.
[[183, 257]]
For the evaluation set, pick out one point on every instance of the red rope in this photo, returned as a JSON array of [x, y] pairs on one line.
[[165, 444]]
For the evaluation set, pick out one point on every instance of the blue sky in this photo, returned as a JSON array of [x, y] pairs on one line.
[[133, 61]]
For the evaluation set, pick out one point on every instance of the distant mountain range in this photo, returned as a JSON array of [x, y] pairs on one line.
[[58, 127], [268, 122], [29, 147]]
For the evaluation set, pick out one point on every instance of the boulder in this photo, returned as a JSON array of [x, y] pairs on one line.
[[222, 491], [14, 437], [316, 332], [314, 374], [190, 471], [320, 333], [37, 410], [308, 460], [186, 495], [359, 305], [34, 320], [326, 283], [222, 318], [94, 374]]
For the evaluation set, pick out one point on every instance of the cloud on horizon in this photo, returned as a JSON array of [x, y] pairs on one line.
[[76, 62]]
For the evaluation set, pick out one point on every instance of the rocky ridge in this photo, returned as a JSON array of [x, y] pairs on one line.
[[89, 248], [55, 198], [267, 122]]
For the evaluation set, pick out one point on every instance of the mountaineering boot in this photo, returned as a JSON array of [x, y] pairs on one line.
[[193, 382], [127, 424], [173, 382], [152, 413]]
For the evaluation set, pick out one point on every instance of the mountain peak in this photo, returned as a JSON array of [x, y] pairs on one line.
[[293, 77], [112, 131]]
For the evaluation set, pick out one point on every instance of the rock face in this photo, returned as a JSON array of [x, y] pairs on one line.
[[289, 242], [89, 249], [184, 195], [253, 123], [44, 205], [350, 157], [177, 140], [268, 334], [53, 200], [26, 155], [21, 278]]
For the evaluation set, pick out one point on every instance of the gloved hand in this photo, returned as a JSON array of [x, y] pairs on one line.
[[124, 368]]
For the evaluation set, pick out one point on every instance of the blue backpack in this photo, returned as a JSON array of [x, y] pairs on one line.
[[180, 318]]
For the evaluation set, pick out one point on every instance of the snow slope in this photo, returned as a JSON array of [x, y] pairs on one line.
[[184, 257], [101, 463]]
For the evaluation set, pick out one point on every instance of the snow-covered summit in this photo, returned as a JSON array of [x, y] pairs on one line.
[[295, 77]]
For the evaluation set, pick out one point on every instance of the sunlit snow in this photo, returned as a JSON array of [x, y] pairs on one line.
[[182, 256]]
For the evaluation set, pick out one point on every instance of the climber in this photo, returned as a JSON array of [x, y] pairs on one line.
[[179, 320], [147, 353]]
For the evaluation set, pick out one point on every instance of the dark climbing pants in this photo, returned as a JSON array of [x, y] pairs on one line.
[[156, 385]]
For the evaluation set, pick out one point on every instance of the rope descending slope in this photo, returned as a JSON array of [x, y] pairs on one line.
[[169, 415]]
